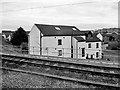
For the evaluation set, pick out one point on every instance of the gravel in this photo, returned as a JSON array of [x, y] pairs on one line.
[[13, 79]]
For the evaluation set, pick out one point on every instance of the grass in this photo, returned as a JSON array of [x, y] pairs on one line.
[[13, 79], [112, 55], [8, 48], [112, 52]]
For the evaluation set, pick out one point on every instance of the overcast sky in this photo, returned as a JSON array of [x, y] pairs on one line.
[[85, 14]]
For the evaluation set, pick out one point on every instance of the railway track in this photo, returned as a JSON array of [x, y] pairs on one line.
[[71, 65], [100, 63], [79, 73], [85, 82]]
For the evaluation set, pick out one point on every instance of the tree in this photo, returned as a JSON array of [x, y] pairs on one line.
[[19, 37]]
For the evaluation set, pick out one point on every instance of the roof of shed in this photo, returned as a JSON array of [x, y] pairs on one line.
[[59, 30], [79, 39], [93, 39]]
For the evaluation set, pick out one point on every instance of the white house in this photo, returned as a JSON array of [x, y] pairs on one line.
[[64, 41]]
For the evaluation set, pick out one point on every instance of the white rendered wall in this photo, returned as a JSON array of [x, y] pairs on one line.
[[93, 50], [89, 51], [52, 43], [34, 41], [80, 46], [75, 47]]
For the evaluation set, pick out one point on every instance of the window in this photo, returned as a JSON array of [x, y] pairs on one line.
[[59, 52], [97, 45], [97, 54], [57, 28], [59, 42], [74, 29], [89, 45]]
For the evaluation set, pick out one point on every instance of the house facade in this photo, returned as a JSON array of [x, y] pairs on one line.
[[63, 41]]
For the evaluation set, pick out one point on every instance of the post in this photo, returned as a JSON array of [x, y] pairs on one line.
[[99, 55], [71, 46], [79, 53], [47, 51], [33, 50], [63, 52], [21, 50], [40, 43]]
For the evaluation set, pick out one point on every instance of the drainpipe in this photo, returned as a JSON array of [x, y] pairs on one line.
[[40, 43], [29, 50], [77, 49], [71, 46]]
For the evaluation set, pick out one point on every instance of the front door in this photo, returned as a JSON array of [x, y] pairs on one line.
[[91, 56], [83, 52]]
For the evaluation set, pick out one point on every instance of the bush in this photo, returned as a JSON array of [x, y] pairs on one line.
[[113, 45], [19, 37]]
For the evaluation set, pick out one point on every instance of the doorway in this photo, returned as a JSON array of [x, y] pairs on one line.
[[83, 52]]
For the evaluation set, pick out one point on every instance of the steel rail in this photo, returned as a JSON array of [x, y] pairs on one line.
[[64, 68], [65, 78], [72, 68], [64, 60]]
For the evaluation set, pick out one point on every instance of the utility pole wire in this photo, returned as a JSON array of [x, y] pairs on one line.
[[47, 7]]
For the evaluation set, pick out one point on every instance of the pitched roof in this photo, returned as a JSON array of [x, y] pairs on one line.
[[93, 39], [95, 34], [59, 30], [79, 39]]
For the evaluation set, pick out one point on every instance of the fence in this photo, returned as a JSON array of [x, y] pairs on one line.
[[110, 55]]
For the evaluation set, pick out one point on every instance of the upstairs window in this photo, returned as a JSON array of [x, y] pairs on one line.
[[59, 42], [89, 45], [97, 45]]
